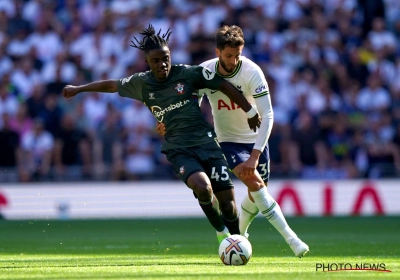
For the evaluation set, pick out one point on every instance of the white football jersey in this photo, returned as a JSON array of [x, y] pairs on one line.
[[230, 121]]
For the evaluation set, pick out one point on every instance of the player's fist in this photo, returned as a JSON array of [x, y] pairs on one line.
[[70, 91], [254, 122], [160, 128]]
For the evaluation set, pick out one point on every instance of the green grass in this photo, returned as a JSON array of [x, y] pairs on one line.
[[187, 249]]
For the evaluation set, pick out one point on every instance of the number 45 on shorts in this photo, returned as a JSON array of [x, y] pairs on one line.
[[224, 174]]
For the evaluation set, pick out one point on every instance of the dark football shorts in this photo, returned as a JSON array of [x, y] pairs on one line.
[[237, 153], [207, 158]]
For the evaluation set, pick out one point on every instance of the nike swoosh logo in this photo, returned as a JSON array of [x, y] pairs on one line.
[[231, 255], [213, 91]]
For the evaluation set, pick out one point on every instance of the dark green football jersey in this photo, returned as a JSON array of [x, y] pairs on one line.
[[174, 102]]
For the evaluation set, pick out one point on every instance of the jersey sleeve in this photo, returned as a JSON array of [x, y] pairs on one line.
[[260, 91], [202, 77], [258, 83], [131, 87]]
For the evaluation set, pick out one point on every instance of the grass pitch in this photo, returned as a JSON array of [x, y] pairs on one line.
[[180, 248]]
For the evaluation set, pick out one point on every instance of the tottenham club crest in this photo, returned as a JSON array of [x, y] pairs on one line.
[[180, 88], [182, 170]]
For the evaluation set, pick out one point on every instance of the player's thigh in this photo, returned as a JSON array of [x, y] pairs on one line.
[[263, 165], [186, 163], [253, 182], [216, 167], [201, 186], [237, 153]]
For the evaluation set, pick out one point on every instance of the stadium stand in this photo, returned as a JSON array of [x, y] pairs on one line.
[[332, 68]]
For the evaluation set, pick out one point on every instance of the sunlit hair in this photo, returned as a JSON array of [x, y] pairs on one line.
[[229, 36], [151, 40]]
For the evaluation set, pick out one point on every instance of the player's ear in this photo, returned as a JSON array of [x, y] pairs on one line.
[[217, 52], [145, 59]]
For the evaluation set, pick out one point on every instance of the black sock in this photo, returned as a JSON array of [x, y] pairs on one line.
[[211, 209], [232, 225]]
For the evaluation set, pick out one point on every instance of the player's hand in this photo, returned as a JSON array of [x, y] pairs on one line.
[[248, 168], [160, 128], [70, 91], [254, 122]]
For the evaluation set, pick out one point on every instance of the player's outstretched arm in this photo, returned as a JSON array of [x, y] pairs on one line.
[[98, 86], [236, 96]]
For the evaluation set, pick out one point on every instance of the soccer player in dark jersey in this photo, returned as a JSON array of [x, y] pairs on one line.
[[246, 151], [170, 93]]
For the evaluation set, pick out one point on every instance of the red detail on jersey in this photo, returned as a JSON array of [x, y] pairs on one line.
[[231, 106], [180, 88]]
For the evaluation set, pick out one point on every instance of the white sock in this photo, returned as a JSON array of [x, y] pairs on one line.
[[225, 231], [247, 214], [271, 210]]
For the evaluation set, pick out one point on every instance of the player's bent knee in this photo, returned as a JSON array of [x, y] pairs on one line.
[[203, 192], [200, 185], [198, 180], [254, 183]]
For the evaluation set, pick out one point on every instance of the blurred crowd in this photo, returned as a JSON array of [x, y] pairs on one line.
[[333, 67]]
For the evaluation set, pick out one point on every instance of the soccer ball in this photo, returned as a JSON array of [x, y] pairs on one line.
[[235, 250]]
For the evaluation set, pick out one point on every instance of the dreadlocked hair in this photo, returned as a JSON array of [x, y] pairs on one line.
[[151, 40]]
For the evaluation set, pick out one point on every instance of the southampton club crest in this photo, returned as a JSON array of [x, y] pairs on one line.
[[180, 88]]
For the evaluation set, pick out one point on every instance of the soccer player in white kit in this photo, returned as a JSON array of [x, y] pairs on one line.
[[246, 150]]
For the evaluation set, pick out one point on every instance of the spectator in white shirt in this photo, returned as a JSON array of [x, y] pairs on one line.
[[380, 37], [373, 97], [8, 102], [37, 151], [67, 69], [382, 67], [268, 37], [25, 77], [92, 13], [6, 64], [99, 45], [47, 43], [287, 10], [18, 45]]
